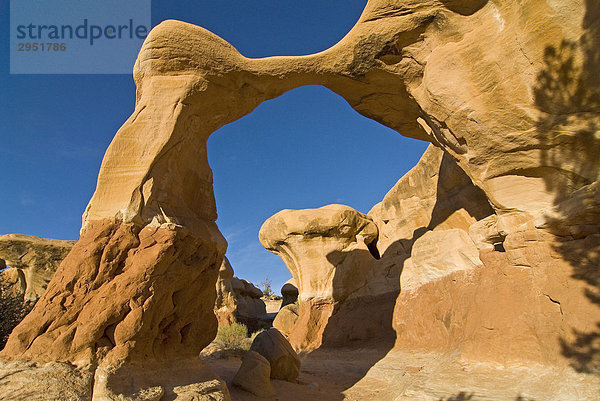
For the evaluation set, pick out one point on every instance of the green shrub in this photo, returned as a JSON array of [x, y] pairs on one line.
[[232, 337], [231, 342]]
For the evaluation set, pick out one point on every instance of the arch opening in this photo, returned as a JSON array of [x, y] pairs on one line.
[[305, 149]]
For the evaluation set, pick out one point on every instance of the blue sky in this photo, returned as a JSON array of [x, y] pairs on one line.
[[305, 149]]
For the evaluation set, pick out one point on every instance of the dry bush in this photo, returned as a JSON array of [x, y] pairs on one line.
[[232, 341], [232, 337]]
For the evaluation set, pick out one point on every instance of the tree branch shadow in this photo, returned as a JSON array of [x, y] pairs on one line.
[[568, 96]]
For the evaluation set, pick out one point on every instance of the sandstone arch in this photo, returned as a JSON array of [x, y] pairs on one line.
[[138, 288]]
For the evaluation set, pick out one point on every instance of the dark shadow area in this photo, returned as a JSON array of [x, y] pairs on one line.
[[463, 7], [462, 396], [583, 350], [456, 191], [13, 306], [568, 95], [465, 396]]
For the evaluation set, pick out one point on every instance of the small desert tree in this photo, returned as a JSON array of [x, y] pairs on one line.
[[265, 285]]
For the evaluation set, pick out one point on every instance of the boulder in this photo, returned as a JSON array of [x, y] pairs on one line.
[[285, 364], [286, 318], [289, 292], [254, 375]]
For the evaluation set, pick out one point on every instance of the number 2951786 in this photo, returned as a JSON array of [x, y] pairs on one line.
[[41, 47]]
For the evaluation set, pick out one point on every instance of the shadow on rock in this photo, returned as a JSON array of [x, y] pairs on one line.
[[568, 95]]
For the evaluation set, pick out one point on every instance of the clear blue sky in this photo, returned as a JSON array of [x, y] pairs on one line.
[[306, 149]]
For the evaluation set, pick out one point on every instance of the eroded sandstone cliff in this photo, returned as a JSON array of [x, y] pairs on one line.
[[31, 263], [35, 259], [238, 301], [459, 276]]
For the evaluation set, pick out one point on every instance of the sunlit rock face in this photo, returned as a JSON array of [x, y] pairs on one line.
[[35, 259], [507, 90], [485, 284], [488, 82], [238, 301], [459, 277], [352, 267]]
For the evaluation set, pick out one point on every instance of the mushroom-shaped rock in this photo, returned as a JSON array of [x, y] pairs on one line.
[[289, 292], [316, 243], [254, 375], [285, 364], [332, 256]]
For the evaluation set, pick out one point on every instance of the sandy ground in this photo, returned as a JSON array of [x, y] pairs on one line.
[[273, 306], [363, 374]]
